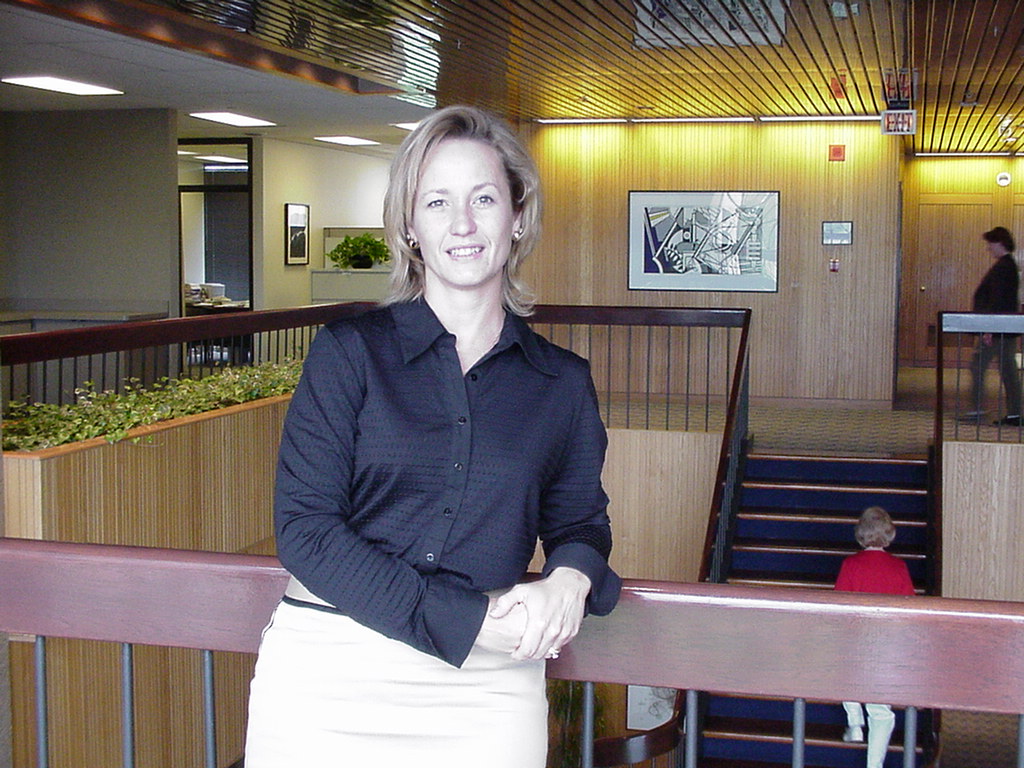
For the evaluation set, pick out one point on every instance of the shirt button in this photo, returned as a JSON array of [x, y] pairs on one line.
[[430, 557], [458, 466], [473, 377], [462, 419], [447, 512]]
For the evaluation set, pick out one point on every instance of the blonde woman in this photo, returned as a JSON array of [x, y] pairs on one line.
[[430, 444]]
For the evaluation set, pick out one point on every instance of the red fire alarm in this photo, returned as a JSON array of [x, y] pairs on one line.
[[836, 153]]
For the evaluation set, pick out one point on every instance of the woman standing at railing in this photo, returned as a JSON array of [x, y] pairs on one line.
[[428, 446]]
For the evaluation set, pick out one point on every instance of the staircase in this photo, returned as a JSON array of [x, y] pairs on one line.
[[794, 527]]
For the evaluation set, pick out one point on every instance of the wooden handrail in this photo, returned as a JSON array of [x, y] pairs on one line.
[[921, 651], [22, 348]]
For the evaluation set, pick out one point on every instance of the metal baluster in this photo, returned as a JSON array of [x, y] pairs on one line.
[[690, 754], [42, 724], [909, 737], [209, 713], [1020, 741], [587, 736], [799, 728], [668, 374], [127, 707], [647, 383]]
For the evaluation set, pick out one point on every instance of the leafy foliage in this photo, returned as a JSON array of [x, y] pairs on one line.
[[359, 252], [108, 414]]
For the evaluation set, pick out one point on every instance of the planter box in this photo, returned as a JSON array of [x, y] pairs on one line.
[[201, 482]]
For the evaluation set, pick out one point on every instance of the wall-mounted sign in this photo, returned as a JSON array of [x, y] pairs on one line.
[[899, 121], [837, 233], [898, 87]]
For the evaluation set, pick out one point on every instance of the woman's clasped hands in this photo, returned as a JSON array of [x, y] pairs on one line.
[[535, 620]]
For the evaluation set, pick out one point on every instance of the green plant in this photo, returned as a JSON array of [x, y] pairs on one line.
[[359, 252], [108, 414]]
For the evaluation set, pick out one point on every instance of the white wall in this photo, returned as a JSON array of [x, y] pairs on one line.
[[89, 210], [341, 188]]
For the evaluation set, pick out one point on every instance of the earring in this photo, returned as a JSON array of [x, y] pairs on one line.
[[412, 241], [516, 235]]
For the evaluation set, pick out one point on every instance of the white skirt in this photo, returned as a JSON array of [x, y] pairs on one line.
[[330, 692]]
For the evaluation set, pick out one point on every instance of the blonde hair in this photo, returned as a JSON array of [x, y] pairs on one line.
[[460, 122], [874, 528]]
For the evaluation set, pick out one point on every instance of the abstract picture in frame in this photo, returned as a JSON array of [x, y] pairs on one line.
[[704, 241], [296, 233]]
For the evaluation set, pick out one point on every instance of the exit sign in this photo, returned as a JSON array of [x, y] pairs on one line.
[[899, 121]]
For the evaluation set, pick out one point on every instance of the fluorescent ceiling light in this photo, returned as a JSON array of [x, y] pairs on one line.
[[818, 118], [579, 120], [349, 141], [692, 120], [221, 159], [405, 126], [963, 154], [213, 168], [185, 152], [230, 118], [63, 86]]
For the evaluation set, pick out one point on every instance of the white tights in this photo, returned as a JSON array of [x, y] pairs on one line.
[[881, 721]]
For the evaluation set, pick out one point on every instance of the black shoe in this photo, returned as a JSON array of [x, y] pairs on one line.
[[1010, 421]]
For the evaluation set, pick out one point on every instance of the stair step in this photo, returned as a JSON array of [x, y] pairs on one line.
[[746, 578], [795, 485], [809, 516], [803, 548], [904, 471]]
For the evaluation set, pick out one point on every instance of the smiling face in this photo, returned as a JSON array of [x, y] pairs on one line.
[[463, 218]]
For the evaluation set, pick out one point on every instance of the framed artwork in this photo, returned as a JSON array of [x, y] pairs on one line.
[[296, 233], [837, 233], [704, 241]]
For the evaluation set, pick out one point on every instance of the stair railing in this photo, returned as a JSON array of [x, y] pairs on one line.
[[725, 500], [924, 651]]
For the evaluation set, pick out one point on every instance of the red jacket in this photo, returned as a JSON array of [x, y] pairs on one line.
[[874, 570]]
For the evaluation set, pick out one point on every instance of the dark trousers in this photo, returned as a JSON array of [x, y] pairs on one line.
[[1003, 349]]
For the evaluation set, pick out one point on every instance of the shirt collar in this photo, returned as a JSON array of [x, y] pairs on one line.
[[418, 329]]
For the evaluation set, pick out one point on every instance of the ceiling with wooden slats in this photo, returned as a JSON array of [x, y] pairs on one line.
[[960, 61]]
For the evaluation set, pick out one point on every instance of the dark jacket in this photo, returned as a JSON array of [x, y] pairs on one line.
[[997, 291]]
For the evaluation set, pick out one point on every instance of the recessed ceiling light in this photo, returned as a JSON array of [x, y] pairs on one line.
[[220, 159], [579, 120], [818, 118], [230, 118], [63, 86], [693, 120], [349, 141], [405, 126]]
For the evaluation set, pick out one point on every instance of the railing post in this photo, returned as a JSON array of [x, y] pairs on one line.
[[127, 707], [587, 735], [209, 713], [909, 737], [42, 723], [692, 727], [799, 728]]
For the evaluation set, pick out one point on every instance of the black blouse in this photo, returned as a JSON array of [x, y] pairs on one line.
[[405, 489]]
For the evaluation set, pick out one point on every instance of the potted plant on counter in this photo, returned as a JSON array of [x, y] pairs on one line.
[[359, 252]]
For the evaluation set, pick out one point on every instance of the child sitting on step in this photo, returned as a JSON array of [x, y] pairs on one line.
[[873, 570]]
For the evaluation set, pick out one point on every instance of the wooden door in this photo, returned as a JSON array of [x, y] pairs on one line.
[[944, 259]]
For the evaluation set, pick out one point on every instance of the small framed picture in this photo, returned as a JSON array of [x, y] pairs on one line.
[[837, 233], [296, 233]]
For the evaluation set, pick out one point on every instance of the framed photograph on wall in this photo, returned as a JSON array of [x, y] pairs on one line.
[[704, 241], [837, 233], [296, 233]]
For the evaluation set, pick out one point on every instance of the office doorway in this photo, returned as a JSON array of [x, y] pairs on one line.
[[215, 195]]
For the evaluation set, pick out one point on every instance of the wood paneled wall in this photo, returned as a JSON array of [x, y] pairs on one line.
[[982, 520], [948, 204], [823, 335]]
